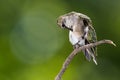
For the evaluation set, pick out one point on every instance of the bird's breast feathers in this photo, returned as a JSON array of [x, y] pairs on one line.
[[75, 37]]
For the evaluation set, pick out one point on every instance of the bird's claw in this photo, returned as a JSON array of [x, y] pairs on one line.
[[76, 46]]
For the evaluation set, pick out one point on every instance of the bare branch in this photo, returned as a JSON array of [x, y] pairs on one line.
[[75, 51]]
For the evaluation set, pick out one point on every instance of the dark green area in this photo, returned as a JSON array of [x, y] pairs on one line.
[[33, 47]]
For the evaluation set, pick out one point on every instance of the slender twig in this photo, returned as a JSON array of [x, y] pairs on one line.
[[75, 51]]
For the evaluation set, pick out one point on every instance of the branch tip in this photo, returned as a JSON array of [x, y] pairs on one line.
[[111, 42]]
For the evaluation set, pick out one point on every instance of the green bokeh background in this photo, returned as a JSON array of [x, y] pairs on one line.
[[33, 47]]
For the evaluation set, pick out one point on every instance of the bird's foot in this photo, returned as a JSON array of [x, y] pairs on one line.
[[76, 46]]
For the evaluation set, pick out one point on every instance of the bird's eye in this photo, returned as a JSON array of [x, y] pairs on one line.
[[63, 25]]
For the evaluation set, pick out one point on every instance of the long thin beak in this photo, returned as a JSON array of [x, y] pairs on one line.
[[69, 28]]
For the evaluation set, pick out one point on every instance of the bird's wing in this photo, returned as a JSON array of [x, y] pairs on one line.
[[91, 38]]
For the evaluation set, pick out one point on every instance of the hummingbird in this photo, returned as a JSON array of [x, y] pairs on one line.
[[81, 32]]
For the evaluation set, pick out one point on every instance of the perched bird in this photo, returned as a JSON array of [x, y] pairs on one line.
[[81, 32]]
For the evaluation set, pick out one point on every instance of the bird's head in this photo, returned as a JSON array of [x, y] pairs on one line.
[[68, 21]]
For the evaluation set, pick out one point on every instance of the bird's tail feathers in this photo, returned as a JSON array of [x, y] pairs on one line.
[[88, 54]]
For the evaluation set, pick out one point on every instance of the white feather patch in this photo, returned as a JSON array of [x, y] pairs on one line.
[[86, 30]]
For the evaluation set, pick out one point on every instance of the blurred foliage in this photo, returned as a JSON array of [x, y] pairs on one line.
[[33, 47]]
